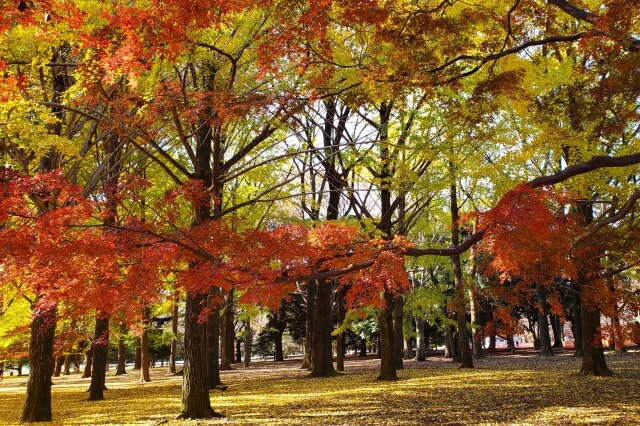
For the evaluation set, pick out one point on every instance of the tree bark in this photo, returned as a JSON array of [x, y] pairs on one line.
[[307, 361], [88, 364], [195, 392], [466, 357], [321, 344], [476, 334], [340, 349], [363, 346], [229, 317], [616, 331], [543, 322], [67, 364], [492, 343], [144, 346], [593, 361], [398, 331], [37, 406], [122, 361], [556, 327], [421, 353], [387, 349], [212, 340], [238, 351], [577, 320], [247, 343], [137, 362], [99, 348], [58, 367], [174, 337]]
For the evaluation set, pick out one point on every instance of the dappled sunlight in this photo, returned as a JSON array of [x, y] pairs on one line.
[[518, 390]]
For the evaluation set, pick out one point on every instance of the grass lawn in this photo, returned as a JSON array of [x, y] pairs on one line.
[[524, 389]]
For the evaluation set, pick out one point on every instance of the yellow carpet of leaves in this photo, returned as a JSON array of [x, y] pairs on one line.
[[524, 389]]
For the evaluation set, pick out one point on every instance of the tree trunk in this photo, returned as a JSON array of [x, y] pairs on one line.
[[476, 335], [321, 344], [543, 322], [122, 361], [230, 335], [100, 349], [421, 353], [616, 331], [88, 364], [466, 357], [278, 355], [67, 364], [387, 347], [195, 389], [37, 406], [511, 344], [363, 346], [556, 328], [226, 330], [398, 331], [58, 368], [247, 343], [307, 361], [449, 345], [340, 349], [144, 346], [492, 343], [593, 361], [238, 351], [174, 336], [212, 340], [137, 362], [577, 320]]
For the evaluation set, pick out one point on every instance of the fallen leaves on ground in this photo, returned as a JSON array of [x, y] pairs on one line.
[[523, 389]]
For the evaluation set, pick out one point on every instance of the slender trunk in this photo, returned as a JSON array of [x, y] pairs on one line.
[[230, 334], [137, 362], [476, 335], [212, 339], [58, 367], [100, 348], [421, 353], [398, 331], [247, 343], [37, 406], [238, 351], [363, 346], [511, 344], [67, 364], [174, 335], [543, 321], [466, 357], [340, 349], [195, 392], [144, 346], [226, 333], [307, 361], [88, 364], [225, 362], [449, 344], [122, 361], [617, 334], [492, 343], [576, 325], [387, 350], [321, 343], [556, 328]]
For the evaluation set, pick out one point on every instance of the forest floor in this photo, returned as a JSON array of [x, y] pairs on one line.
[[521, 389]]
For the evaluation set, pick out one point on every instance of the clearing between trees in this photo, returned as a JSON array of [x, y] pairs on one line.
[[521, 389]]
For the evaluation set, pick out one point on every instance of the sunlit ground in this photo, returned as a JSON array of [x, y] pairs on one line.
[[523, 389]]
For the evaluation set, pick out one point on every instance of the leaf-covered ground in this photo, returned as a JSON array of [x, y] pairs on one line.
[[524, 389]]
